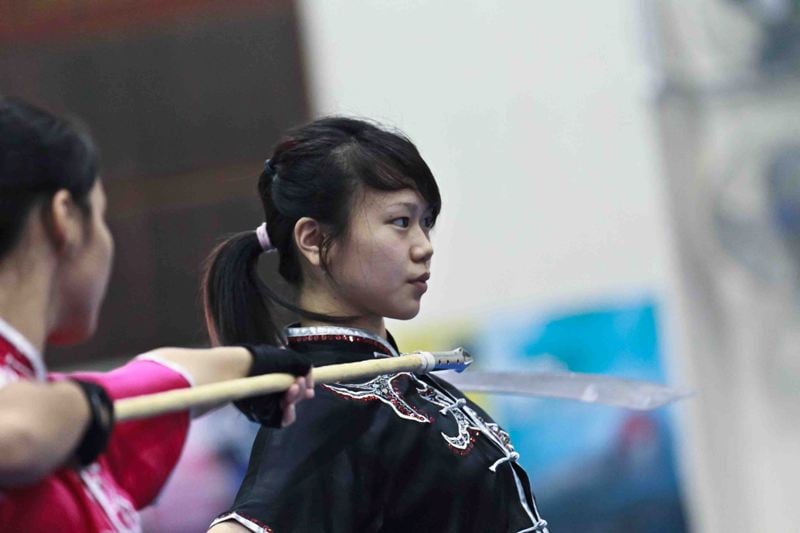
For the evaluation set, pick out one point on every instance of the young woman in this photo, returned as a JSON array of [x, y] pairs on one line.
[[349, 208], [64, 466]]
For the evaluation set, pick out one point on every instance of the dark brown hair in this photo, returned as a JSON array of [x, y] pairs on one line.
[[40, 154], [315, 171]]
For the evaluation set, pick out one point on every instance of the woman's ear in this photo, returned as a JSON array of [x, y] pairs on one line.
[[63, 221], [308, 236]]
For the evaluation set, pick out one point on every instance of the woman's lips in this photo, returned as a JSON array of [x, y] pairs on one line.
[[421, 283]]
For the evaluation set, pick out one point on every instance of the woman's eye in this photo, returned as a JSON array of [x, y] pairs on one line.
[[401, 222], [428, 222]]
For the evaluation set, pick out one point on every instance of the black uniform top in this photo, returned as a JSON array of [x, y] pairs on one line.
[[396, 453]]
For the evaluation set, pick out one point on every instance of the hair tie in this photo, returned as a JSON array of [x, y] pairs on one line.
[[263, 238]]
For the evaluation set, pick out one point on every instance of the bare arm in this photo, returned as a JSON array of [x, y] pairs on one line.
[[207, 365], [229, 362], [40, 426]]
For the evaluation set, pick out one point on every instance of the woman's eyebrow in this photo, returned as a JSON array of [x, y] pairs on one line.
[[412, 206]]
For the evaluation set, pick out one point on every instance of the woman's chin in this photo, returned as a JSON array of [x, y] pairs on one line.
[[404, 314]]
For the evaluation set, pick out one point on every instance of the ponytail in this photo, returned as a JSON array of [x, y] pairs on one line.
[[236, 302], [234, 297]]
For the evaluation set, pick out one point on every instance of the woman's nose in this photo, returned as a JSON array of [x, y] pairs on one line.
[[422, 250]]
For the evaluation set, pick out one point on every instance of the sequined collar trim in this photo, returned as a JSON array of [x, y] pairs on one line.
[[336, 333], [18, 340]]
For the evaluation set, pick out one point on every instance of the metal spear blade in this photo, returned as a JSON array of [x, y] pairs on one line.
[[589, 388]]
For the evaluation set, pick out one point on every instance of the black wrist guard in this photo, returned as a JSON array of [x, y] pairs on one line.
[[266, 409], [101, 422], [271, 360]]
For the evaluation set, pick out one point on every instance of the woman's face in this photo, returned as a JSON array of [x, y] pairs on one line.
[[381, 265], [84, 275]]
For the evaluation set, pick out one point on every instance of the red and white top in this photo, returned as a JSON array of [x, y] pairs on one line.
[[104, 496]]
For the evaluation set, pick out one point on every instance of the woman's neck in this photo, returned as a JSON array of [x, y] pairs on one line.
[[322, 303], [24, 298]]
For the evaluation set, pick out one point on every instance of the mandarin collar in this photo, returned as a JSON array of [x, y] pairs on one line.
[[353, 339]]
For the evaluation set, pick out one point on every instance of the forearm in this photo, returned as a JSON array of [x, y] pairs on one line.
[[225, 363], [207, 365], [40, 428]]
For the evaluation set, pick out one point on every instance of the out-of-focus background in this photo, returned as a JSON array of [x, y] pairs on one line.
[[621, 184]]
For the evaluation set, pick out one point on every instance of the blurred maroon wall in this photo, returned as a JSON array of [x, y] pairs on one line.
[[185, 99]]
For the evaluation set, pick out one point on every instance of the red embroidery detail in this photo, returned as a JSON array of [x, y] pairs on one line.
[[260, 524], [342, 338], [473, 434]]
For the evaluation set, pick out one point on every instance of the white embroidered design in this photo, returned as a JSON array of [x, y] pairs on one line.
[[119, 511], [248, 523], [463, 441], [501, 435], [384, 389]]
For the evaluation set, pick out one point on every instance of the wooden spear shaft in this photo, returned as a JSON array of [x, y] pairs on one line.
[[236, 389]]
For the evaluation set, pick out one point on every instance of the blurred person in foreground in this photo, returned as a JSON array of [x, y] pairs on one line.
[[64, 464]]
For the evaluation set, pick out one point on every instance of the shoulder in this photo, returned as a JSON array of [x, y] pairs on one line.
[[327, 412], [457, 393], [444, 384], [325, 426]]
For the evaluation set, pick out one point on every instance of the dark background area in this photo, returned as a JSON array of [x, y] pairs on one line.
[[184, 99]]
